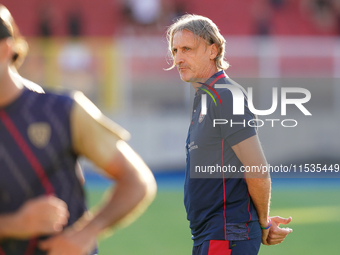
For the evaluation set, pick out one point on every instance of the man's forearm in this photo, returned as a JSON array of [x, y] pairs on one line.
[[251, 155], [134, 191], [128, 200], [259, 191]]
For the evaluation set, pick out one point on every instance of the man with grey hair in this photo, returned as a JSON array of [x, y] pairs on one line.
[[229, 211]]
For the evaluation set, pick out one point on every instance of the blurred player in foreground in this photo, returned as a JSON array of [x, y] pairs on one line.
[[42, 205], [228, 214]]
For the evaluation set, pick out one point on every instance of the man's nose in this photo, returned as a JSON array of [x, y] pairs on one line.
[[178, 58]]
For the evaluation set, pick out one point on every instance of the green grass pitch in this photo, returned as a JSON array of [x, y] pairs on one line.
[[164, 230]]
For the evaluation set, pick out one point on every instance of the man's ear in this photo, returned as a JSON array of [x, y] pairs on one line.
[[6, 49], [213, 51]]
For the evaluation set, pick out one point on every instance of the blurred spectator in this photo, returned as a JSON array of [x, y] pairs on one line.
[[262, 14], [322, 13], [175, 9], [145, 12], [150, 16], [336, 6], [77, 66], [74, 23], [76, 60], [277, 4], [45, 18]]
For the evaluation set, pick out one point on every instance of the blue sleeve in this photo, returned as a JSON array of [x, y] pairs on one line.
[[237, 129]]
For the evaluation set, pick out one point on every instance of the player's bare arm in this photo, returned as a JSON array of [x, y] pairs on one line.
[[250, 154], [135, 185]]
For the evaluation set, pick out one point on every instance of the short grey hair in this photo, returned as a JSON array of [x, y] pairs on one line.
[[204, 28]]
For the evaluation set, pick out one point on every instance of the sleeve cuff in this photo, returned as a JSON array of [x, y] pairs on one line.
[[240, 136]]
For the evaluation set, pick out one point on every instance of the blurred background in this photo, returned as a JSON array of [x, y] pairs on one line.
[[115, 51]]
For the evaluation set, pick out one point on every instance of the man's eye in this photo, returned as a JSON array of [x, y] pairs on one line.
[[174, 50], [186, 48]]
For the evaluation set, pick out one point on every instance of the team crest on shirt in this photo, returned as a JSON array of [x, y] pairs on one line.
[[39, 134], [201, 117]]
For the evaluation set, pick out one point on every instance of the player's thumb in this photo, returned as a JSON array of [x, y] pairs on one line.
[[281, 220]]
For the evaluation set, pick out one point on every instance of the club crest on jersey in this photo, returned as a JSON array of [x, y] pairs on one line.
[[201, 117], [39, 134]]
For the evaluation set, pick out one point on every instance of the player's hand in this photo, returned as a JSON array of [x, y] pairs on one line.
[[69, 243], [265, 232], [41, 216], [276, 234]]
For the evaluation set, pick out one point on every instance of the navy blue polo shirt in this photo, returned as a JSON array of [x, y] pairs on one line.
[[218, 206]]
